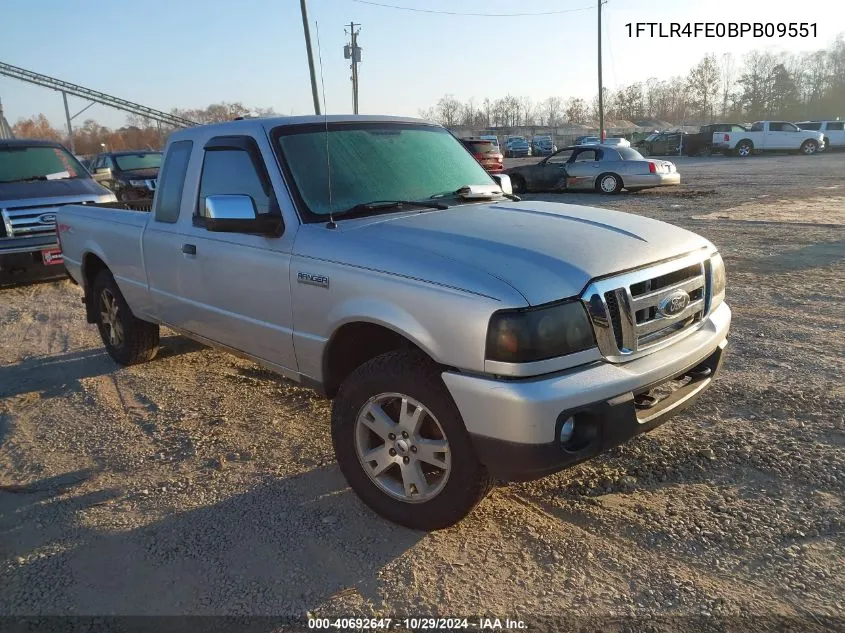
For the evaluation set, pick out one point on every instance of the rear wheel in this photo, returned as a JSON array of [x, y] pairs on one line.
[[127, 339], [609, 183], [518, 184], [809, 147], [643, 151], [402, 445], [744, 149], [705, 150]]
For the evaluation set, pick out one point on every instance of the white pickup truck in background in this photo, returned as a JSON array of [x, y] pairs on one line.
[[769, 136]]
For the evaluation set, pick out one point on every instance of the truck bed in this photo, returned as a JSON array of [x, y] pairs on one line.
[[111, 231]]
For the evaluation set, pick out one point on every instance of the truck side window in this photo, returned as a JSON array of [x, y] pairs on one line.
[[171, 181], [757, 127], [231, 171], [835, 125]]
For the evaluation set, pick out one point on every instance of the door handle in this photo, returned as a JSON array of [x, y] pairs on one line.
[[189, 249]]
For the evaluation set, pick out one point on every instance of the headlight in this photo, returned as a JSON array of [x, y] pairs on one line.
[[532, 334], [138, 183], [717, 280]]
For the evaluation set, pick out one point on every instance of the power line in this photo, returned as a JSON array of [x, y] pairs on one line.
[[477, 15]]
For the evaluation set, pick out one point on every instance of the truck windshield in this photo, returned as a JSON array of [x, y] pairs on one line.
[[129, 162], [25, 163], [376, 161]]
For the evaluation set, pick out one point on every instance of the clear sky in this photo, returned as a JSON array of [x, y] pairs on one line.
[[180, 53]]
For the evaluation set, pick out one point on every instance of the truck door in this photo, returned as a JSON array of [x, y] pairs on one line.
[[782, 135], [161, 242], [236, 286]]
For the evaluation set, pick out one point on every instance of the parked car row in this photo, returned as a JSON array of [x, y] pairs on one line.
[[808, 137]]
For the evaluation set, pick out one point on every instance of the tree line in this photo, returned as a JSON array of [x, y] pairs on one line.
[[766, 85], [138, 133]]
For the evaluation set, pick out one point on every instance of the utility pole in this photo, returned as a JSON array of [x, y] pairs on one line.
[[314, 94], [353, 51], [601, 87]]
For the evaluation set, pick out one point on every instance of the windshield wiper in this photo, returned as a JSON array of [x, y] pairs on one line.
[[380, 206]]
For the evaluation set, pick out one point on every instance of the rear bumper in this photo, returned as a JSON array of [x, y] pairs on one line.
[[515, 425], [652, 180]]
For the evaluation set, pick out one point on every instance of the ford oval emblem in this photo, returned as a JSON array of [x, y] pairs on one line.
[[47, 218], [674, 303]]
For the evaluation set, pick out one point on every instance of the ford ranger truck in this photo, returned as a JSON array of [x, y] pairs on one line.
[[464, 335], [37, 177], [768, 136]]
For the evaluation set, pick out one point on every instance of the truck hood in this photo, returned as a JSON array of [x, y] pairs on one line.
[[546, 251], [67, 187]]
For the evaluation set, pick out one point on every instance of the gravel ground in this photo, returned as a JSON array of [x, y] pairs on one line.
[[202, 484]]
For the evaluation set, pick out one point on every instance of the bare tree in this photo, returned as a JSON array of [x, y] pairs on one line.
[[552, 109], [576, 110], [703, 85], [726, 80], [448, 111]]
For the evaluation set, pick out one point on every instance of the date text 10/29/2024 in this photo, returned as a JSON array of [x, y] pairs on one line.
[[417, 624], [721, 29]]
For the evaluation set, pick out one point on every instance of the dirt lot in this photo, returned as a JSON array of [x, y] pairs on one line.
[[202, 484]]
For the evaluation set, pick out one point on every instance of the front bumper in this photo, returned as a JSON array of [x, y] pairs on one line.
[[515, 425]]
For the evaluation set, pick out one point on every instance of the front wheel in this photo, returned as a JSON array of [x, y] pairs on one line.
[[518, 184], [609, 183], [809, 148], [127, 339], [402, 445]]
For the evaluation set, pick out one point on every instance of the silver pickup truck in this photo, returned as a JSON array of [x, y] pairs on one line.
[[464, 335]]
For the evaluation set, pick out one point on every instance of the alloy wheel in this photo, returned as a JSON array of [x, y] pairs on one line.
[[402, 447]]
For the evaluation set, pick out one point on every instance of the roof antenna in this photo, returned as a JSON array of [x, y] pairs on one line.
[[331, 224]]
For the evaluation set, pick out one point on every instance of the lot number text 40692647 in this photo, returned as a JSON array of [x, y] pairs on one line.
[[721, 29]]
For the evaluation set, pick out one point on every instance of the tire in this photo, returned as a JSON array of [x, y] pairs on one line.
[[452, 489], [809, 147], [826, 143], [705, 150], [518, 184], [744, 149], [609, 183], [644, 152], [127, 339]]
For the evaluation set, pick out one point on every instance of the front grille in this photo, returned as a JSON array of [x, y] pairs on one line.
[[634, 312], [615, 316], [29, 221]]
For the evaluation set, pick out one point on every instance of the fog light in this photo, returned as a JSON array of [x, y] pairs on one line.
[[567, 430]]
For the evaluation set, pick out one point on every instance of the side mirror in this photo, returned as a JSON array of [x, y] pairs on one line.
[[229, 213], [504, 182]]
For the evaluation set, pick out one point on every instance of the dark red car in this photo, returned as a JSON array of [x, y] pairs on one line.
[[485, 153]]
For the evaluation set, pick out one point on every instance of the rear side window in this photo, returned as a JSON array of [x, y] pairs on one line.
[[480, 147], [810, 126], [757, 127], [629, 154], [835, 125], [232, 171], [171, 182]]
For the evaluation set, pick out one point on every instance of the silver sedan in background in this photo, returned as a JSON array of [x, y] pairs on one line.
[[594, 167]]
